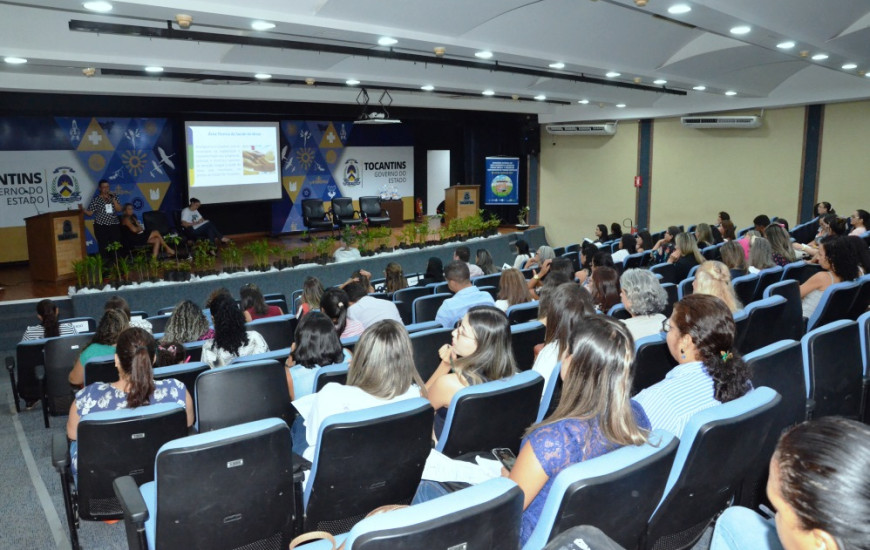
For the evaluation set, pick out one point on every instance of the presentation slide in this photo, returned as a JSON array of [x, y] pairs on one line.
[[233, 161]]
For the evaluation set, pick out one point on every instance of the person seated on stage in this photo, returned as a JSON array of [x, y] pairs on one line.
[[187, 323], [394, 278], [334, 304], [136, 387], [367, 309], [434, 272], [512, 289], [463, 254], [312, 291], [254, 305], [483, 260], [465, 295], [645, 299], [480, 352], [116, 302], [111, 325], [171, 353], [315, 345], [104, 208], [48, 327], [199, 226], [230, 340], [134, 234]]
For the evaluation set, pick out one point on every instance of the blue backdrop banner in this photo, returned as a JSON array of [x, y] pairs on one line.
[[502, 180]]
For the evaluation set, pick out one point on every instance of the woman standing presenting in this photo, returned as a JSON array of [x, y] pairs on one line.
[[104, 208]]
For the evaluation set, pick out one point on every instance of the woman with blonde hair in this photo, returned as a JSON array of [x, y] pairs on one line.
[[780, 244], [760, 255], [733, 258], [704, 234], [713, 278], [685, 256], [512, 289], [395, 278]]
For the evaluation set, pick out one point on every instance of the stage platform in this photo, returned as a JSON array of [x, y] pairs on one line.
[[17, 309]]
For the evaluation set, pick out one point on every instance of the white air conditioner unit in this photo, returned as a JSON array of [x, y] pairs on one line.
[[749, 121], [605, 129]]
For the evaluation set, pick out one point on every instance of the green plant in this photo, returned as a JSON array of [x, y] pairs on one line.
[[421, 231], [123, 267], [153, 268], [140, 263], [324, 247], [80, 268], [174, 241], [203, 254], [259, 251], [349, 235], [381, 235], [409, 233], [114, 247], [96, 265]]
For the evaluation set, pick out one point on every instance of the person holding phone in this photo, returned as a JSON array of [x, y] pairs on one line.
[[104, 207]]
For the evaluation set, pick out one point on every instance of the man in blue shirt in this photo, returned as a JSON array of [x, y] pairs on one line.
[[465, 295]]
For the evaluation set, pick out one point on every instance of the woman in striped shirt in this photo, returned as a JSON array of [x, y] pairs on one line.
[[48, 327]]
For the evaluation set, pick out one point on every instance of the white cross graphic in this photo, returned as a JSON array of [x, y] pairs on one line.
[[330, 137], [94, 137]]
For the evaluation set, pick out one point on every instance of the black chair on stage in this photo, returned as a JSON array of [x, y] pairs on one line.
[[425, 345], [60, 356], [652, 361], [343, 212], [314, 217], [370, 209]]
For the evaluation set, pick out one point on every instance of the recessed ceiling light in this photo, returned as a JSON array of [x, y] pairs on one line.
[[557, 65], [101, 7], [730, 92], [583, 102], [262, 25], [15, 60], [677, 9], [540, 97], [485, 54], [612, 74], [699, 88], [387, 41], [351, 82], [153, 69], [488, 92], [820, 57], [660, 82], [850, 66], [620, 105], [787, 45], [427, 88], [741, 29], [262, 76]]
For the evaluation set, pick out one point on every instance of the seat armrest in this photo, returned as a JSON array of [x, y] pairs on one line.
[[131, 500], [10, 363], [59, 452], [39, 372]]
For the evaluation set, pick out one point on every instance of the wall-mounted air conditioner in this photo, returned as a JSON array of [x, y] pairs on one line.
[[749, 121], [604, 129]]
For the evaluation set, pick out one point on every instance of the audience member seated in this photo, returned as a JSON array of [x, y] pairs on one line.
[[780, 244], [170, 353], [760, 255], [822, 209], [483, 260], [312, 291], [595, 414], [187, 323], [48, 327], [604, 289], [838, 262], [627, 246], [761, 222], [615, 232], [465, 295], [568, 305], [434, 272], [395, 278], [860, 222], [368, 310], [601, 233], [543, 254], [663, 249], [254, 305], [134, 234], [117, 302], [709, 371], [587, 253], [645, 299], [601, 258], [512, 289], [315, 345], [733, 258], [523, 254], [463, 254], [685, 256], [830, 225], [200, 227], [714, 279], [552, 273], [746, 241], [334, 304], [728, 231], [230, 340], [818, 486], [135, 354], [381, 371], [643, 241], [704, 235], [111, 325], [480, 352], [862, 253]]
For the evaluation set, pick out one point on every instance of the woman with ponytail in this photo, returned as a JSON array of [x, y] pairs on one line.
[[48, 327], [134, 355], [700, 335], [334, 304]]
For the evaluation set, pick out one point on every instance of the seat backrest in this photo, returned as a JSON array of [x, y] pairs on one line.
[[313, 209], [486, 516], [438, 288], [717, 448], [118, 443], [426, 307], [766, 277], [29, 354], [425, 345], [60, 356], [82, 324], [835, 304], [574, 257], [764, 324], [618, 311], [633, 261], [524, 338], [158, 322], [410, 294], [493, 280], [667, 271], [231, 488], [652, 361], [330, 373], [685, 287], [793, 319], [472, 425], [862, 298], [370, 205], [155, 220], [800, 271], [833, 369], [186, 373], [279, 302], [279, 355], [101, 369], [744, 287], [712, 252], [575, 247], [276, 331], [343, 207], [864, 328], [256, 390], [615, 492], [552, 393], [673, 297], [523, 313], [194, 349], [385, 447]]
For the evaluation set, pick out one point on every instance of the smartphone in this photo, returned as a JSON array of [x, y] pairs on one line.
[[505, 456]]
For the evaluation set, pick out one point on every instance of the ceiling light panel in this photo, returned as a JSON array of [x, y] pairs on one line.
[[99, 7], [262, 25]]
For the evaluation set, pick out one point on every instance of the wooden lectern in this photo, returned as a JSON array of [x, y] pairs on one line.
[[54, 241], [460, 201]]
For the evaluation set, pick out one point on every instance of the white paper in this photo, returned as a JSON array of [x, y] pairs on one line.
[[440, 468]]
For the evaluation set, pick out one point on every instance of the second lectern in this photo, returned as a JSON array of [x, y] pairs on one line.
[[460, 201]]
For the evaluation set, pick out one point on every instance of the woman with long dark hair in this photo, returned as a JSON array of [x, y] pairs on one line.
[[254, 305], [839, 263], [434, 272], [312, 290], [135, 233], [566, 307], [627, 246], [334, 304], [231, 339], [394, 278], [48, 327], [605, 288], [111, 325]]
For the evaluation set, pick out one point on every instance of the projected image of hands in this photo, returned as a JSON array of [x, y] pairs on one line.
[[257, 160]]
